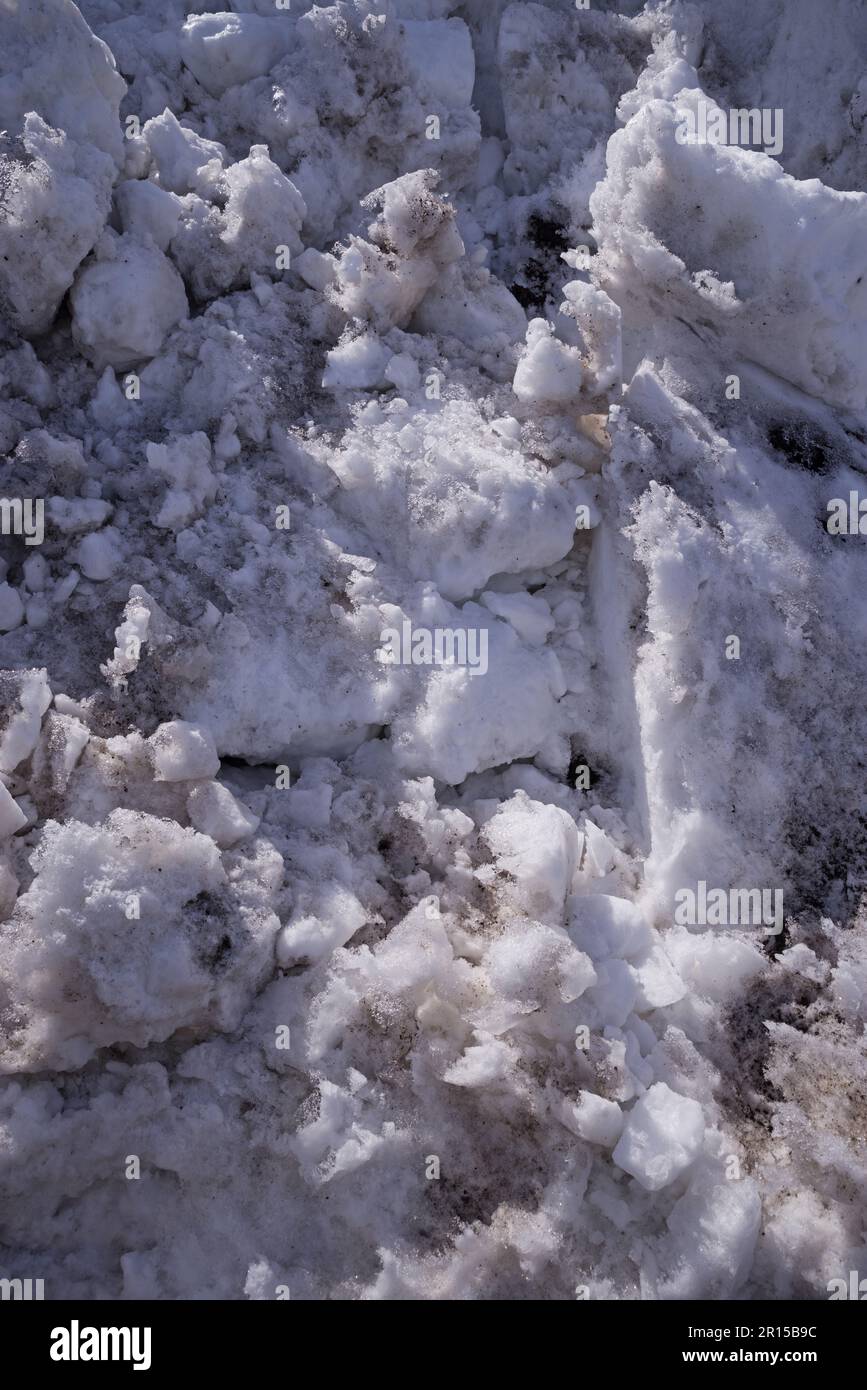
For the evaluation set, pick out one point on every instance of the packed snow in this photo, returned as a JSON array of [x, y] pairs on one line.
[[424, 651]]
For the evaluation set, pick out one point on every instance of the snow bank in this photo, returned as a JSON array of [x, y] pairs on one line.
[[433, 597]]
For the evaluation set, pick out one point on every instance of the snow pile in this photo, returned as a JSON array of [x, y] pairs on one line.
[[773, 268], [423, 803], [60, 94]]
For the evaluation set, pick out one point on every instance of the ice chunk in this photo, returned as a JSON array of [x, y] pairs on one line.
[[11, 815], [662, 1137]]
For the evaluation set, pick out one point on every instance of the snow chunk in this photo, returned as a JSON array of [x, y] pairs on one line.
[[246, 221], [457, 509], [357, 363], [309, 807], [548, 371], [11, 608], [561, 73], [55, 200], [308, 936], [598, 1120], [411, 241], [467, 723], [440, 55], [774, 268], [530, 616], [533, 964], [470, 304], [223, 50], [662, 1137], [146, 210], [538, 847], [659, 984], [129, 932], [597, 323], [184, 460], [179, 154], [60, 95], [123, 307], [71, 514], [182, 752], [315, 269], [603, 925], [51, 63], [482, 1065], [402, 370], [99, 554], [263, 210], [216, 812], [715, 965], [24, 698]]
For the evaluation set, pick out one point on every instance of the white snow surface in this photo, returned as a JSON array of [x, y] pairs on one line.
[[433, 592]]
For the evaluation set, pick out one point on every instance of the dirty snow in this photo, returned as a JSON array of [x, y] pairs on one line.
[[422, 646]]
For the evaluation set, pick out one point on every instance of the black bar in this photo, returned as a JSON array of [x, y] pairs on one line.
[[649, 1337]]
